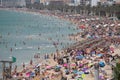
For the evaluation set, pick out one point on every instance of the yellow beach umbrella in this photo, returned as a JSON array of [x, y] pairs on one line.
[[83, 76]]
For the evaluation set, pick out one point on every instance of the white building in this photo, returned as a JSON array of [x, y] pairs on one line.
[[21, 3], [13, 3], [74, 3], [94, 2], [117, 1]]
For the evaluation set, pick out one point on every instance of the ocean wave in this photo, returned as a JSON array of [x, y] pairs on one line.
[[43, 46], [49, 46], [30, 47], [19, 48], [23, 48], [31, 36]]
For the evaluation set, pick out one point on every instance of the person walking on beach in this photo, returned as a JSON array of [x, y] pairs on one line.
[[23, 65], [15, 70], [31, 62]]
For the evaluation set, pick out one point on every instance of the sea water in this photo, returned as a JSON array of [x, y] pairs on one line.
[[24, 34]]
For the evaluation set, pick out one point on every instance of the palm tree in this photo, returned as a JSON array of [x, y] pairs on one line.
[[116, 71]]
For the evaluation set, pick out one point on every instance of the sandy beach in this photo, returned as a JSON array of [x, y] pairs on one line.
[[95, 44]]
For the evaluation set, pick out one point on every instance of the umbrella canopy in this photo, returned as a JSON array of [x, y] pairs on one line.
[[58, 66], [118, 24], [100, 55], [28, 74], [32, 74], [101, 64], [73, 64], [79, 57], [79, 53], [74, 71], [82, 27], [48, 67], [81, 65], [65, 65], [83, 76], [84, 69], [38, 65], [79, 73]]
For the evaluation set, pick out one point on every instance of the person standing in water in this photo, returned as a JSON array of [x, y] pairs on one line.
[[11, 49]]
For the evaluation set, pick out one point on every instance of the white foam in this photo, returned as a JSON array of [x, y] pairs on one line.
[[32, 37], [18, 48], [30, 47]]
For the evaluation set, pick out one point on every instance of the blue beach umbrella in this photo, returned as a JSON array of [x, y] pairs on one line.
[[58, 66], [100, 55], [32, 74], [79, 73], [79, 53], [101, 64], [79, 57], [75, 71]]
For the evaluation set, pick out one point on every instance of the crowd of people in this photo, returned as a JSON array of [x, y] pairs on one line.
[[77, 62]]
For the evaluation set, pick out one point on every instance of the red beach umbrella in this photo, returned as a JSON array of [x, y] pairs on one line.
[[82, 27]]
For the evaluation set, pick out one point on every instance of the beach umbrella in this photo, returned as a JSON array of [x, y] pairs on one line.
[[28, 74], [80, 72], [65, 65], [97, 18], [112, 24], [79, 57], [105, 25], [79, 53], [84, 69], [88, 19], [118, 24], [100, 55], [80, 65], [74, 71], [83, 76], [48, 67], [58, 66], [82, 19], [32, 74], [82, 27], [97, 26], [101, 64], [67, 71], [90, 64], [73, 64], [101, 77], [93, 19], [38, 65]]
